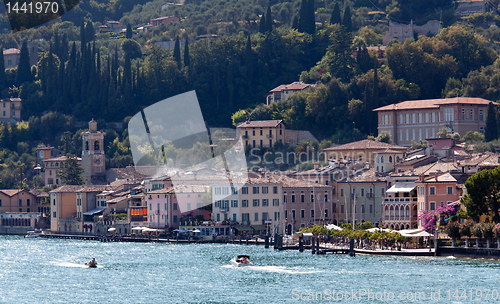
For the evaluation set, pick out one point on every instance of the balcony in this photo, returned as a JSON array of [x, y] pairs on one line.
[[224, 209], [266, 222], [269, 136]]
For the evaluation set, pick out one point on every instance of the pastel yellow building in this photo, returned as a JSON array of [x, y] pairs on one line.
[[262, 133]]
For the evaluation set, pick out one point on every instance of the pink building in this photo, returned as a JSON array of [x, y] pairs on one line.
[[167, 207], [415, 120], [437, 191]]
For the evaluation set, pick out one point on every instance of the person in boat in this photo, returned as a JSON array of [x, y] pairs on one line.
[[244, 261]]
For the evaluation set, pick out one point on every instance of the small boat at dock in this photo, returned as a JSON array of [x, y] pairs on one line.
[[32, 234]]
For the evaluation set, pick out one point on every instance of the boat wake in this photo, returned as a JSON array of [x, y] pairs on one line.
[[69, 264], [277, 269]]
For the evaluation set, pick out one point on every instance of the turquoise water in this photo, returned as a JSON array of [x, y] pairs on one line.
[[51, 271]]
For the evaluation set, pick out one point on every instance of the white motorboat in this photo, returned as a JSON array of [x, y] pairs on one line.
[[241, 261], [32, 234]]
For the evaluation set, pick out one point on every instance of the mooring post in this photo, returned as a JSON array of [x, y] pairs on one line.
[[280, 242], [313, 250], [351, 248], [266, 245], [301, 244], [275, 241]]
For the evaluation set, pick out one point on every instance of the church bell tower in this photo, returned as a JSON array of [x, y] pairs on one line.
[[93, 160]]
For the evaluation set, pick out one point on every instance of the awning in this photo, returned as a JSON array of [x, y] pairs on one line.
[[112, 229], [402, 187], [414, 233], [334, 227], [259, 227], [243, 228], [94, 211]]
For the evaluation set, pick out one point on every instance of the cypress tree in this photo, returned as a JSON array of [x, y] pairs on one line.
[[269, 20], [336, 19], [128, 34], [491, 129], [24, 69], [3, 77], [82, 37], [262, 23], [374, 93], [311, 17], [347, 22], [177, 52], [89, 32], [127, 72], [295, 22], [186, 55], [302, 26]]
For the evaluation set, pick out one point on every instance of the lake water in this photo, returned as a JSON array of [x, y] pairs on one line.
[[51, 271]]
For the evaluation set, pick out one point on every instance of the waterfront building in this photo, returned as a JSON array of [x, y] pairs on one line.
[[255, 208], [415, 120], [401, 203], [167, 207], [360, 198], [307, 203], [17, 200], [437, 191]]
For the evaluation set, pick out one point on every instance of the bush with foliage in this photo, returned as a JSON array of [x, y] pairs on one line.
[[477, 230], [453, 230], [466, 228]]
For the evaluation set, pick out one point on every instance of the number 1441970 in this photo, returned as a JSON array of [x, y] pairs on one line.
[[30, 8], [472, 294]]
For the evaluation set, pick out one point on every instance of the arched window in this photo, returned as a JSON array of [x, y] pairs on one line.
[[407, 211], [86, 145], [397, 211], [96, 145], [392, 212], [381, 159], [390, 159]]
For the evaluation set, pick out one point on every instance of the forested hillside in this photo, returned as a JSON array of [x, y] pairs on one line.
[[109, 77]]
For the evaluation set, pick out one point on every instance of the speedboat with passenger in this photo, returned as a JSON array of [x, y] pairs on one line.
[[32, 234], [91, 264], [241, 261]]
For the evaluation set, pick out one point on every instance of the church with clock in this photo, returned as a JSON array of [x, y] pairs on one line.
[[93, 159]]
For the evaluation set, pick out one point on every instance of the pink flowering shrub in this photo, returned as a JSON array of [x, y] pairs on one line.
[[496, 231], [430, 218]]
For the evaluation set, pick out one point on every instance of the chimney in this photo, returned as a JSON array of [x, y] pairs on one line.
[[316, 166]]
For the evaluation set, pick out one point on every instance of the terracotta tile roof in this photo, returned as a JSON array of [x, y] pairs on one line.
[[60, 158], [367, 176], [388, 151], [12, 192], [443, 178], [11, 51], [81, 188], [435, 168], [487, 159], [297, 86], [67, 189], [365, 145], [260, 124], [433, 103], [11, 100]]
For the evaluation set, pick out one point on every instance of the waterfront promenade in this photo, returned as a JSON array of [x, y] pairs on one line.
[[323, 248]]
